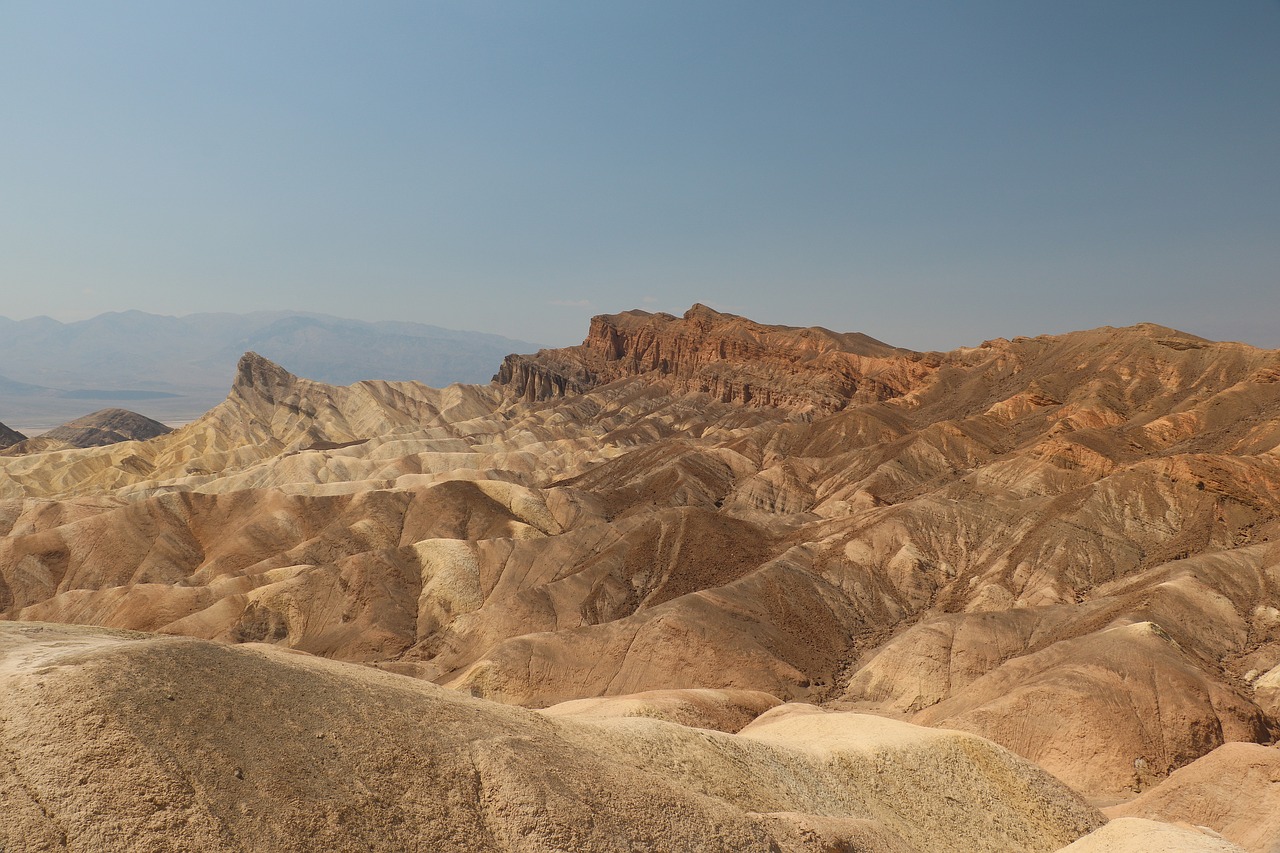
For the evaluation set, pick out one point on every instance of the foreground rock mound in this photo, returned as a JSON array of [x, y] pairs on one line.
[[117, 741]]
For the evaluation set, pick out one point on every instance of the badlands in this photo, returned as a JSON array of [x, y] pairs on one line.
[[696, 584]]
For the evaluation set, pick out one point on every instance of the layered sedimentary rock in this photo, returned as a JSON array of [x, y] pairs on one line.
[[728, 357], [1063, 544]]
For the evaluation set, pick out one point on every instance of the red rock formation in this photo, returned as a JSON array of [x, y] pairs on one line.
[[730, 358]]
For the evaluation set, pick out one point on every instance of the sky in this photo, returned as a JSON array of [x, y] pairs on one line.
[[932, 173]]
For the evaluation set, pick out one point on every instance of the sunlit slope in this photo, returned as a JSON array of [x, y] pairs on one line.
[[119, 741]]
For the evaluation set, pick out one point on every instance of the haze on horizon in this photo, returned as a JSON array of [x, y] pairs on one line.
[[932, 174]]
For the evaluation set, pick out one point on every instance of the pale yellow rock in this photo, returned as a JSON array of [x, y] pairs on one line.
[[121, 742], [1135, 835], [721, 710]]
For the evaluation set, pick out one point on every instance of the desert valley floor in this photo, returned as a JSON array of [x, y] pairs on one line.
[[698, 584]]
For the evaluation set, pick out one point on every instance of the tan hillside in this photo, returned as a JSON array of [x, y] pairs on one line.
[[1234, 790], [120, 741], [1064, 544], [1134, 835]]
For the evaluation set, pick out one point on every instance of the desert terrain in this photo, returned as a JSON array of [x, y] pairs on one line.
[[699, 583], [176, 368]]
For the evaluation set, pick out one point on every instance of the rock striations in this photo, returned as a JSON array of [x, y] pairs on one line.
[[728, 357], [1063, 545]]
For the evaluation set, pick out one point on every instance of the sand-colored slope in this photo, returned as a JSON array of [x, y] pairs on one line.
[[269, 413], [116, 741], [1234, 790], [721, 710], [1118, 698], [1107, 711], [1135, 835], [340, 575]]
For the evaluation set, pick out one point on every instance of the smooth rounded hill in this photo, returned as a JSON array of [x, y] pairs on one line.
[[1134, 835], [117, 742]]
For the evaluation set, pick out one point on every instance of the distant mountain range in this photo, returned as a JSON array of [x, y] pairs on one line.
[[177, 367]]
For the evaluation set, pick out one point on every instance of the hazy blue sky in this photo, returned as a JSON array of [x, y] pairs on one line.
[[931, 173]]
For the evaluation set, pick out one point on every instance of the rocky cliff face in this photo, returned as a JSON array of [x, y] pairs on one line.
[[541, 377], [730, 358], [261, 377]]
